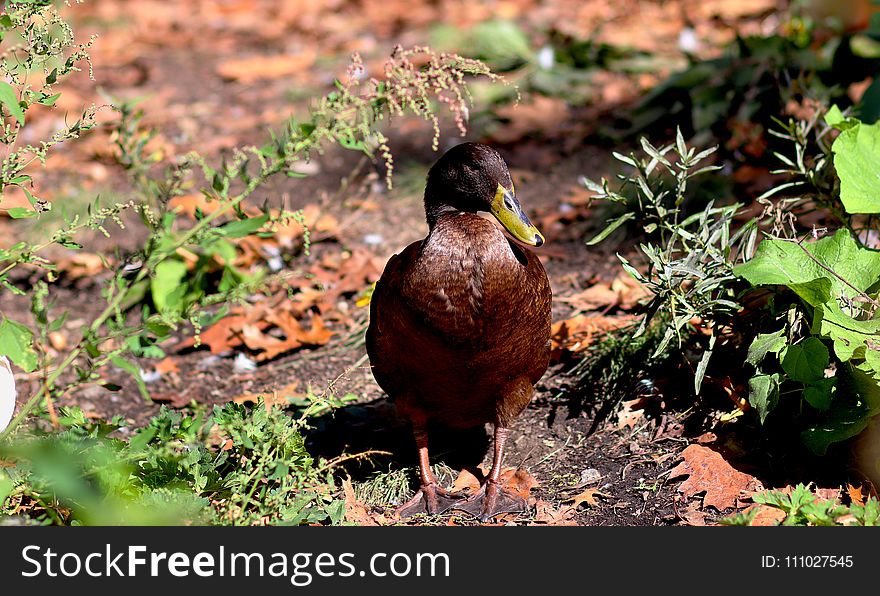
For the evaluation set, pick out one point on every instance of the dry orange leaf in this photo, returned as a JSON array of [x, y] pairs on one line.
[[623, 292], [855, 494], [517, 480], [270, 399], [708, 472], [167, 365], [249, 70], [577, 333], [355, 511], [588, 496], [81, 264], [546, 514]]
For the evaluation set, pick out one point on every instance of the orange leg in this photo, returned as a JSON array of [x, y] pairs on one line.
[[492, 499], [430, 498]]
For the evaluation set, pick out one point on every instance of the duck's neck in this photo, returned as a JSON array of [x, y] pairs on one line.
[[436, 207]]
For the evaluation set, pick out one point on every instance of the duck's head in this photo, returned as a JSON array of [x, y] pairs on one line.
[[473, 177]]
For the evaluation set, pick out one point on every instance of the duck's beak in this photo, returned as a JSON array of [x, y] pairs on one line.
[[508, 211]]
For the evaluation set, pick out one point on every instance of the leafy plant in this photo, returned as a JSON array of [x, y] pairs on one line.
[[803, 508], [826, 349], [689, 258], [231, 466]]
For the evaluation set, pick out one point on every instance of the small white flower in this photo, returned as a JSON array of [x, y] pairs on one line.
[[7, 392], [546, 58], [687, 40]]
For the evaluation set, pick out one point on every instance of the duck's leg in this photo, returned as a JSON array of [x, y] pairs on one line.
[[492, 499], [430, 498]]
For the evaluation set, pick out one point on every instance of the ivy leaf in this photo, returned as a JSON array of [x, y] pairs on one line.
[[850, 336], [805, 362]]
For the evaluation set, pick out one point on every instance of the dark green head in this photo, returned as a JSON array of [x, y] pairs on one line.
[[473, 177]]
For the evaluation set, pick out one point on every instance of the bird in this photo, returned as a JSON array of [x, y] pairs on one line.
[[459, 328]]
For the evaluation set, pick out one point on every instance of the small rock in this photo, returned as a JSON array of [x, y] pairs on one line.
[[590, 476]]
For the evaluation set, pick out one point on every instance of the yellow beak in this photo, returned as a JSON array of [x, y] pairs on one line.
[[509, 213]]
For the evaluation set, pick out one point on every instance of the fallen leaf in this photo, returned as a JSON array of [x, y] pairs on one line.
[[546, 514], [466, 481], [81, 264], [270, 399], [249, 70], [577, 333], [623, 292], [708, 472], [167, 365], [355, 511], [855, 494], [588, 496], [538, 113]]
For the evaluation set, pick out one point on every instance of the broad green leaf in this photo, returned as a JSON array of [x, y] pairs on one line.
[[857, 162], [834, 116], [764, 394], [846, 417], [166, 287], [243, 227], [781, 262], [20, 213], [849, 335], [806, 361], [16, 341], [819, 393], [10, 100], [814, 292], [764, 343]]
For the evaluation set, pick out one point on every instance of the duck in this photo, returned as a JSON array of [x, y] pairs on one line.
[[459, 328]]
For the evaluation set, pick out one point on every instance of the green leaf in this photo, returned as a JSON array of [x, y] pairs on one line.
[[16, 341], [135, 373], [849, 335], [243, 227], [764, 394], [10, 100], [814, 292], [20, 213], [856, 155], [166, 287], [819, 393], [806, 361], [613, 225], [781, 262], [764, 343], [834, 116], [846, 417]]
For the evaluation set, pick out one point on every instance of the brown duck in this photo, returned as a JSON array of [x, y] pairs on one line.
[[460, 321]]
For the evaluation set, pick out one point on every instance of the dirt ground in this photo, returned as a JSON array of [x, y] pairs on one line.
[[181, 58]]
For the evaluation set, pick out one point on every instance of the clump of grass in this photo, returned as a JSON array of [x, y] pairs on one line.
[[395, 486]]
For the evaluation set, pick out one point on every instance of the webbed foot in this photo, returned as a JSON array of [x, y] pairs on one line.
[[430, 499], [492, 500]]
